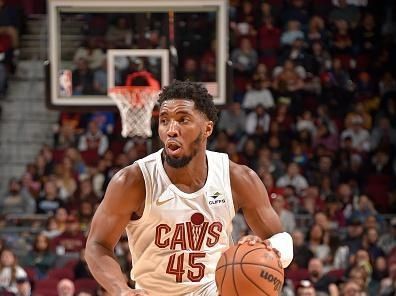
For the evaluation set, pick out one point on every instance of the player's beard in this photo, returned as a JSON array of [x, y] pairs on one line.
[[181, 162]]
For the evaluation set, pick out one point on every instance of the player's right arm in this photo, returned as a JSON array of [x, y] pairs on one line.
[[124, 196]]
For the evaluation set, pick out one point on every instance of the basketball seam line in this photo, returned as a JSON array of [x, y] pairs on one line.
[[225, 271], [233, 277], [250, 280], [241, 258], [247, 253], [244, 263]]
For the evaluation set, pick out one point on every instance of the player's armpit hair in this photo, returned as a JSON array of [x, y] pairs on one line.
[[196, 92], [283, 242]]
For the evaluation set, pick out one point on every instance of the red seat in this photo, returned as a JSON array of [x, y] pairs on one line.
[[90, 157], [61, 273], [117, 146], [46, 287], [296, 275], [71, 263], [337, 274], [86, 285]]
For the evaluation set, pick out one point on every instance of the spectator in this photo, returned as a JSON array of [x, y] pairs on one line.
[[51, 228], [388, 285], [351, 288], [9, 271], [317, 243], [342, 39], [90, 54], [387, 241], [65, 179], [360, 137], [24, 288], [292, 33], [288, 78], [82, 78], [49, 201], [93, 139], [119, 35], [65, 288], [258, 122], [40, 258], [66, 137], [244, 58], [297, 10], [321, 281], [232, 121], [370, 244], [316, 33], [293, 177], [346, 12], [383, 135], [305, 288], [387, 84], [16, 201], [258, 94], [302, 253], [358, 275], [100, 78], [268, 41], [354, 236], [321, 57], [190, 71], [71, 241], [286, 217], [306, 122]]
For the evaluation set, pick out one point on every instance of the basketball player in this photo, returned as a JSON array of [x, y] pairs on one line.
[[177, 205]]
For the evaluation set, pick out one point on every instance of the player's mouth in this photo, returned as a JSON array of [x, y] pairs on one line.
[[173, 148]]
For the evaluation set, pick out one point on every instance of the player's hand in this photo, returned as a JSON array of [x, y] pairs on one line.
[[253, 239], [135, 293]]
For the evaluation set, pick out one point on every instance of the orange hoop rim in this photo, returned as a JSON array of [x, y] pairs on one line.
[[131, 88]]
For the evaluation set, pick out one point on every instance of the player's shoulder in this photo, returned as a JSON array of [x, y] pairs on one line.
[[129, 176], [241, 172]]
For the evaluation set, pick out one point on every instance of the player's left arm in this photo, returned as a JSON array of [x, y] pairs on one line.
[[250, 195]]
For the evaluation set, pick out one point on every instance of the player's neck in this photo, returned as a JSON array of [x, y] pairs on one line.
[[192, 177]]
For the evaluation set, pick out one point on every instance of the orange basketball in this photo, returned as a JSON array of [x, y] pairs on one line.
[[249, 270]]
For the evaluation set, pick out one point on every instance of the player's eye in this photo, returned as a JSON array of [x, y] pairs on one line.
[[163, 121], [185, 120]]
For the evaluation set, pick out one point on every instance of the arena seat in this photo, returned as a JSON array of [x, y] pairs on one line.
[[61, 273], [87, 285], [46, 287]]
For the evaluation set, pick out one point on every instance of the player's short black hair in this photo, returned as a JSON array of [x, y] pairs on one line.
[[193, 91]]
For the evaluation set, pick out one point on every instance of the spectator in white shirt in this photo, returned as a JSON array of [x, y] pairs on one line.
[[9, 271], [360, 136], [293, 177], [258, 121], [258, 94]]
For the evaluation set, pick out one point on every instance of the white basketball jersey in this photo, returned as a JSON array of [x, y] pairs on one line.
[[178, 241]]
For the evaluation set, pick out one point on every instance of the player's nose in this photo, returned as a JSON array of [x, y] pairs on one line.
[[173, 129]]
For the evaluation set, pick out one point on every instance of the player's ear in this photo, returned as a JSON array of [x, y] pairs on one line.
[[209, 128]]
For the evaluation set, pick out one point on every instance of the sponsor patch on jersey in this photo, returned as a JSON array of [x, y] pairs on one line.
[[216, 199]]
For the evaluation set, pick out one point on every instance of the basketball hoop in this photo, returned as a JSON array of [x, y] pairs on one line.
[[136, 104]]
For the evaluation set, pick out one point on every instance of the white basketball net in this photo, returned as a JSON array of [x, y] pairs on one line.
[[136, 105]]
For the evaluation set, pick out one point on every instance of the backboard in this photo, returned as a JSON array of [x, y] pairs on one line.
[[94, 44]]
